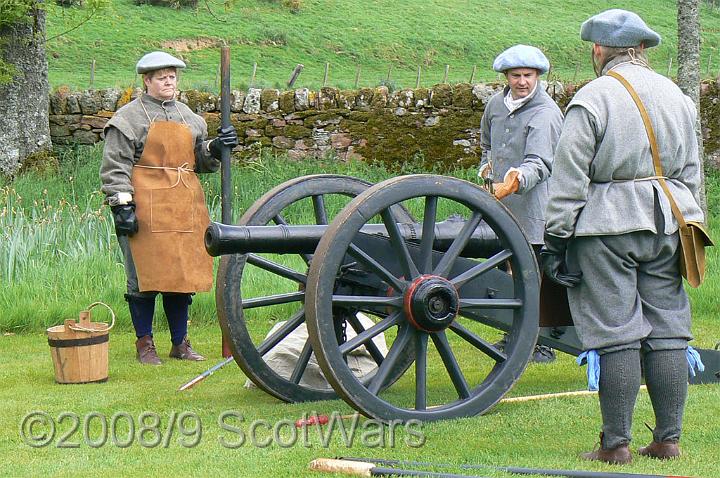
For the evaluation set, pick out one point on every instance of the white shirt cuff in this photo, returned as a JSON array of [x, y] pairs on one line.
[[482, 169], [124, 198], [519, 176]]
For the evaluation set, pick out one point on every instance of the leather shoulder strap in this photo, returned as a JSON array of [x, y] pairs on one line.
[[653, 145]]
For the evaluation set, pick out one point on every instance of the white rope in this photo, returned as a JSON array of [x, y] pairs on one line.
[[78, 328]]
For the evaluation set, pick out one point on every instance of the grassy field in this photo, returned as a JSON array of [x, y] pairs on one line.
[[58, 238], [374, 36], [547, 434]]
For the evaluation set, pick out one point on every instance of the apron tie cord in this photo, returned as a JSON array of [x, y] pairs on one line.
[[183, 168]]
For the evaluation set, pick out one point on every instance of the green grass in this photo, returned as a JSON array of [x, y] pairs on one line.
[[48, 287], [373, 35], [547, 434]]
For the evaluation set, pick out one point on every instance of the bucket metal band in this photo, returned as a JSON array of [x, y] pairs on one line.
[[99, 339]]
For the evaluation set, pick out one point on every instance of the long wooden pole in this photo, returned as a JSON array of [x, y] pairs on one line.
[[544, 396], [359, 468], [360, 465], [225, 177]]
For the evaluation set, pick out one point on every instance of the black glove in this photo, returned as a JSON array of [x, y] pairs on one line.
[[126, 223], [552, 256], [227, 138]]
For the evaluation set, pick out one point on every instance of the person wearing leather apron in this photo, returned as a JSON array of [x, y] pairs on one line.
[[154, 146]]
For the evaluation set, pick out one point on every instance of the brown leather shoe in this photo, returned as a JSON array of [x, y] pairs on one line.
[[615, 456], [185, 352], [146, 353], [662, 451]]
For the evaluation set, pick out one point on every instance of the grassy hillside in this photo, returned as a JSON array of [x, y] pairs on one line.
[[374, 35]]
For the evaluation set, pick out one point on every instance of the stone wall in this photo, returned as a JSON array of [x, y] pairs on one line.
[[429, 125]]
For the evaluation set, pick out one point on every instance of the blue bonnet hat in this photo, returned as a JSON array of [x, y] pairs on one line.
[[157, 60], [521, 56], [618, 28]]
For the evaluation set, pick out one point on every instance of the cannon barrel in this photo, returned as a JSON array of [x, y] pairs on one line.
[[221, 239]]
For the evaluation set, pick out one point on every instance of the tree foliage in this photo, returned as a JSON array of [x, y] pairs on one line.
[[12, 12], [15, 12]]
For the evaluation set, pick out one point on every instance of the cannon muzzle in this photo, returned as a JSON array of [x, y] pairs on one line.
[[221, 239]]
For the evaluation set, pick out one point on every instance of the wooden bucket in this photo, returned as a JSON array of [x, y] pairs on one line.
[[79, 350]]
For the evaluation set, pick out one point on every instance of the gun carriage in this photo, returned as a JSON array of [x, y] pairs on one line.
[[437, 264]]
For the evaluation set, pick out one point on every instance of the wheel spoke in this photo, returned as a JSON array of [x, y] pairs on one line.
[[470, 304], [273, 300], [289, 326], [479, 343], [421, 371], [451, 365], [428, 234], [381, 271], [276, 268], [368, 334], [302, 363], [398, 243], [481, 268], [367, 300], [370, 345], [453, 252], [319, 208], [390, 361]]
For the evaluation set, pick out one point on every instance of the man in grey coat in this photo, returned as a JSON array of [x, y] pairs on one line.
[[612, 238], [519, 130]]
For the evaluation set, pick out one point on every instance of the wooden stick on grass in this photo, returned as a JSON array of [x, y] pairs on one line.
[[359, 468]]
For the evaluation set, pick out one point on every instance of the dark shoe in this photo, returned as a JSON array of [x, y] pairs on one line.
[[146, 353], [543, 354], [615, 456], [185, 352], [662, 451]]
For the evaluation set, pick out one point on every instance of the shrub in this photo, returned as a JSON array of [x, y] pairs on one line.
[[167, 3], [293, 5]]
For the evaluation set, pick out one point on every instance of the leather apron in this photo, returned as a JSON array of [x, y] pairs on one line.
[[169, 248]]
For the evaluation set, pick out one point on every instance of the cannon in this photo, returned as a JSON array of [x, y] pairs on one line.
[[439, 266]]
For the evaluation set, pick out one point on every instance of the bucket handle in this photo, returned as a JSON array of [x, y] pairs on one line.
[[78, 328]]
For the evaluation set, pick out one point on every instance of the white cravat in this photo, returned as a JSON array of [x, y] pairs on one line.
[[513, 104]]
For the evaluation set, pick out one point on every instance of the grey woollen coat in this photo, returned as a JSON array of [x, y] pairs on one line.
[[524, 139]]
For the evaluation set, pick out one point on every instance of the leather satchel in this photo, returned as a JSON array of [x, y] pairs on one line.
[[694, 238]]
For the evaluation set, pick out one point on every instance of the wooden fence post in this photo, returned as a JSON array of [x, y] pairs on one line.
[[252, 78], [357, 76], [327, 71], [92, 74], [447, 70], [472, 75], [417, 80], [709, 64], [295, 74]]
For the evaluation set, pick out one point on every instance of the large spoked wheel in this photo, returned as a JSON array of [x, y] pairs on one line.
[[256, 292], [443, 306]]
